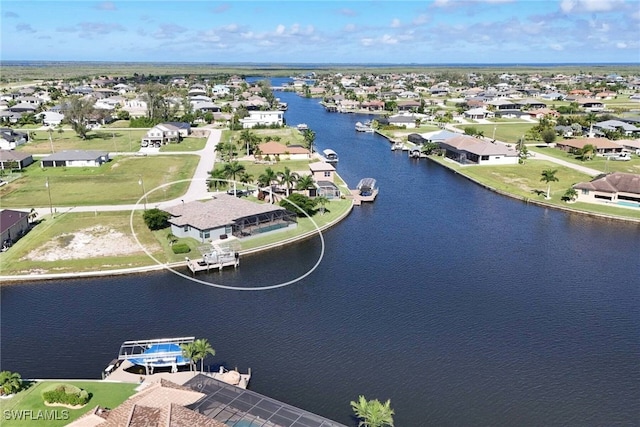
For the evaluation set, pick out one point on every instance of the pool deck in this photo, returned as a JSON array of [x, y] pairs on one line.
[[120, 375]]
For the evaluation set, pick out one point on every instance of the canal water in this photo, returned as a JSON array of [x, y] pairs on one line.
[[463, 307]]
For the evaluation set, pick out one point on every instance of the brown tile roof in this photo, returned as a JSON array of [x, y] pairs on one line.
[[478, 146], [13, 156], [321, 167], [599, 143], [223, 210], [617, 182]]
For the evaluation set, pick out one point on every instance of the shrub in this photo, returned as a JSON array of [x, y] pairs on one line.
[[66, 394], [156, 219], [180, 248]]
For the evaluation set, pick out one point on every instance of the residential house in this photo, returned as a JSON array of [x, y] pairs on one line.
[[409, 105], [284, 152], [478, 114], [503, 104], [322, 171], [603, 146], [13, 225], [619, 188], [14, 160], [630, 145], [166, 133], [226, 215], [263, 118], [530, 104], [51, 118], [23, 108], [540, 113], [625, 128], [10, 139], [591, 105], [407, 121], [75, 158], [469, 150], [203, 401]]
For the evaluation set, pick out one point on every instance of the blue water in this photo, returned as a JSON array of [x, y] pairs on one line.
[[463, 307]]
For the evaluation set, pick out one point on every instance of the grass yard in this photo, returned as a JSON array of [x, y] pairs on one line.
[[396, 134], [114, 183], [101, 140], [187, 144], [507, 132], [333, 210], [287, 135], [105, 242], [599, 163], [105, 394], [524, 181]]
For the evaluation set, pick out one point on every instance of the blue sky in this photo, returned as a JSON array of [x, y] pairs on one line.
[[395, 32]]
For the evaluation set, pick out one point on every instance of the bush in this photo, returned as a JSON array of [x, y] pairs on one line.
[[180, 248], [156, 219], [299, 204], [66, 394]]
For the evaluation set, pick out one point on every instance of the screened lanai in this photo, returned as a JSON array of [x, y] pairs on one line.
[[259, 223], [238, 407]]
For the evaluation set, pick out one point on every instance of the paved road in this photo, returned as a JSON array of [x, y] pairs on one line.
[[197, 189], [579, 168]]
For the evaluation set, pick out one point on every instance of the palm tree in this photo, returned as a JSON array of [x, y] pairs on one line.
[[305, 182], [321, 200], [233, 169], [309, 138], [217, 178], [266, 179], [10, 382], [249, 139], [203, 349], [33, 214], [587, 151], [373, 413], [549, 176], [189, 351], [288, 179]]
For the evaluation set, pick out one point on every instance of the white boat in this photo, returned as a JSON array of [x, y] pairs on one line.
[[330, 156], [302, 127], [367, 189], [364, 127]]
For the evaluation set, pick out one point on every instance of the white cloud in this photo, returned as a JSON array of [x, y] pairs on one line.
[[366, 41], [556, 46], [210, 36], [230, 28], [106, 5], [395, 23], [589, 5], [621, 45], [421, 19], [387, 39], [280, 29]]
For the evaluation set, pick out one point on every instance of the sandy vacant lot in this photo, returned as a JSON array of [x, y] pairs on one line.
[[94, 242]]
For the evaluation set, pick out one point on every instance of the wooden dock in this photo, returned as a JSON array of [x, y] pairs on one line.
[[358, 199], [200, 264]]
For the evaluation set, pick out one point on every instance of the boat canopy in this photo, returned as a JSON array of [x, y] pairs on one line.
[[329, 152], [367, 184]]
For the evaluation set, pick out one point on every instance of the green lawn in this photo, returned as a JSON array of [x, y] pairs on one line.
[[20, 260], [599, 163], [507, 132], [287, 135], [115, 182], [104, 394], [187, 144], [103, 140], [524, 182]]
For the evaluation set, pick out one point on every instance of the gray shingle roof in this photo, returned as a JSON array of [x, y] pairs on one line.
[[68, 155], [217, 212]]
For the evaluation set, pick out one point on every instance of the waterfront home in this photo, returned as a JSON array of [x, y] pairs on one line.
[[14, 160], [10, 139], [75, 158], [322, 171], [263, 118], [284, 152], [202, 401], [603, 146], [226, 215], [13, 225], [618, 187], [469, 150]]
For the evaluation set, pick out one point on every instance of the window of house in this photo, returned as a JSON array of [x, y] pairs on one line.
[[207, 234], [327, 173], [185, 228], [487, 157], [585, 191]]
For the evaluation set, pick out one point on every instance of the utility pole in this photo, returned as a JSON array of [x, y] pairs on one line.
[[144, 193], [46, 184]]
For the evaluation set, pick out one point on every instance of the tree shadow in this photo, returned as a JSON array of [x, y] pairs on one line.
[[539, 192]]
